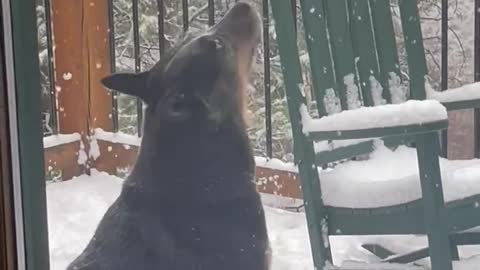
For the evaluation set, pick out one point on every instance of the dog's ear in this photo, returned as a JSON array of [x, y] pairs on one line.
[[129, 83]]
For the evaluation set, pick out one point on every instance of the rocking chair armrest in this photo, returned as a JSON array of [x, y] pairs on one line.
[[411, 117], [464, 97], [379, 132]]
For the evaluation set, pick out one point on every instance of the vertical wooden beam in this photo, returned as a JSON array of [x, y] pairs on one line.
[[464, 126], [96, 27], [71, 62], [82, 59], [71, 58]]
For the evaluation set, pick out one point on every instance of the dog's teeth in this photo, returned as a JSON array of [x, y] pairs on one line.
[[218, 44]]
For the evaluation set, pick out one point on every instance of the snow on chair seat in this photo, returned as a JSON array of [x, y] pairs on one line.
[[391, 178]]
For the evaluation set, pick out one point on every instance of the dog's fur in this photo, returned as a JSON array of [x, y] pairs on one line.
[[190, 202]]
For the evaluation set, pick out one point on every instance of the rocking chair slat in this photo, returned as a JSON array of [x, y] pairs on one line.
[[364, 46], [319, 55], [417, 64], [387, 51], [343, 54]]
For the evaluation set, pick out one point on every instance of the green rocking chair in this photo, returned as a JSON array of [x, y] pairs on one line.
[[354, 60]]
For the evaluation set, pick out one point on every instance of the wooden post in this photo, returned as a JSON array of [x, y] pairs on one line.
[[69, 61], [97, 28], [81, 59]]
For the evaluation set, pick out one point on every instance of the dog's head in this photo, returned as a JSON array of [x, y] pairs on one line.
[[201, 79]]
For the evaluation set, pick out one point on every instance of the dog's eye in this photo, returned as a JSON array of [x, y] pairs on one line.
[[211, 44]]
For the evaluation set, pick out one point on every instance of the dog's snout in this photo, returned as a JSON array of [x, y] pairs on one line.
[[242, 22], [242, 10]]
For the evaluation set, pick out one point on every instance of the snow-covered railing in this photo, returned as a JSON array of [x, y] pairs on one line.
[[60, 139], [117, 137], [464, 93]]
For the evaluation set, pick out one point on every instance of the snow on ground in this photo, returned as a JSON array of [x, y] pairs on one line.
[[75, 207]]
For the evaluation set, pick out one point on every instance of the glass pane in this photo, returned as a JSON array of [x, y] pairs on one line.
[[197, 186]]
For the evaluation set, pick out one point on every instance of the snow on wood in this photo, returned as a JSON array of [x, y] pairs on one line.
[[275, 164], [117, 137], [377, 91], [353, 98], [408, 113], [82, 155], [463, 93], [59, 139], [331, 102], [398, 91], [94, 151]]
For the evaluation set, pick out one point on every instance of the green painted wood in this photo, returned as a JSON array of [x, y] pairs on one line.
[[343, 54], [412, 32], [364, 147], [27, 82], [409, 257], [386, 45], [314, 21], [400, 219], [342, 153], [304, 153], [395, 141], [364, 45], [418, 255], [462, 105], [463, 239], [378, 250], [378, 132], [428, 151], [463, 214], [454, 250], [406, 218]]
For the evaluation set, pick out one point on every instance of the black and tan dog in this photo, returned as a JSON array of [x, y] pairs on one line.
[[190, 202]]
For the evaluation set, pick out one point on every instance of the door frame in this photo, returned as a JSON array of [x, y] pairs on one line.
[[7, 222], [25, 134]]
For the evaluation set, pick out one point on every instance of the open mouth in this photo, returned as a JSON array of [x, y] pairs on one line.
[[241, 26]]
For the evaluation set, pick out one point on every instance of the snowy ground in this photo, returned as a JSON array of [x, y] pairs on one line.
[[75, 207]]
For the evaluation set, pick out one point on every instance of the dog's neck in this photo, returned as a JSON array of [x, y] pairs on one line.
[[206, 165]]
